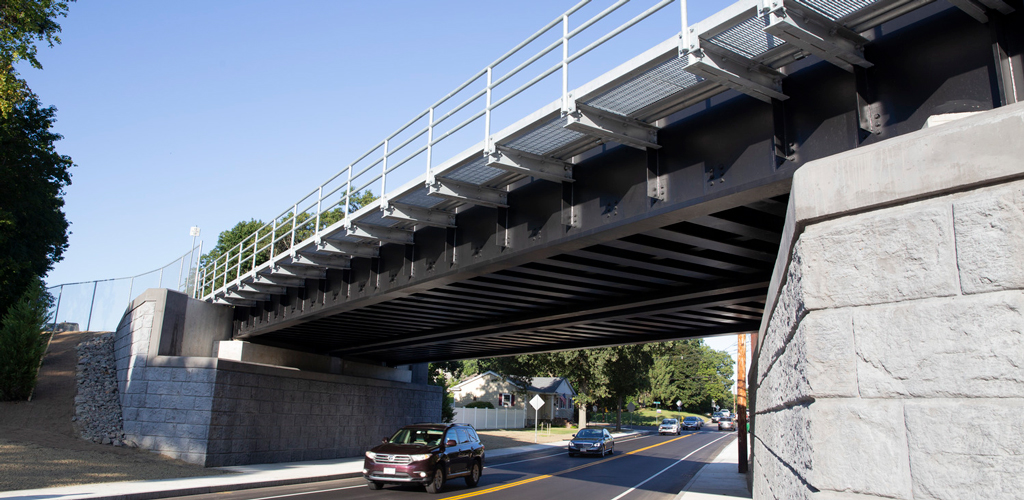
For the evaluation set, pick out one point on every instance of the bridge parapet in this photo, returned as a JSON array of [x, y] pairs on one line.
[[893, 333]]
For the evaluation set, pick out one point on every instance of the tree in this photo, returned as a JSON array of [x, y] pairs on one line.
[[626, 369], [440, 373], [33, 228], [22, 343], [22, 24]]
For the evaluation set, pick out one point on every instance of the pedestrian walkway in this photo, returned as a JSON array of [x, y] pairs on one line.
[[718, 480]]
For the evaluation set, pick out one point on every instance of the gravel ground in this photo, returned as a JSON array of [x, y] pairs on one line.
[[40, 448]]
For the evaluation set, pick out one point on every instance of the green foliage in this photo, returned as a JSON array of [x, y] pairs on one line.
[[33, 229], [439, 375], [233, 253], [22, 24], [481, 404], [22, 342], [693, 373]]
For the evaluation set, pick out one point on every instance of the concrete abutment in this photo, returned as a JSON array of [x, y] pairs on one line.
[[890, 361], [253, 404]]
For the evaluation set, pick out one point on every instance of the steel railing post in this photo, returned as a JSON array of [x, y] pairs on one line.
[[181, 267], [92, 302], [295, 218], [565, 62], [384, 176], [273, 239], [348, 190], [487, 113], [430, 142], [255, 247], [131, 288], [160, 280], [195, 283], [684, 35], [319, 203], [57, 309]]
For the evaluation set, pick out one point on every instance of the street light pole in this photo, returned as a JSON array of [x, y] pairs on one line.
[[741, 400]]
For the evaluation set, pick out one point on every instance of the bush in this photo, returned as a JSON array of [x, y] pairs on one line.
[[480, 404], [22, 343]]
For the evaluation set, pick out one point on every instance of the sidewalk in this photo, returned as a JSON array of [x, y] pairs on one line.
[[718, 480], [248, 477]]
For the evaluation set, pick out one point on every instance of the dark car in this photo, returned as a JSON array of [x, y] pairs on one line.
[[592, 442], [726, 423], [694, 423], [428, 454]]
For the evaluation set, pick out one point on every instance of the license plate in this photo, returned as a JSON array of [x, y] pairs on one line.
[[389, 471]]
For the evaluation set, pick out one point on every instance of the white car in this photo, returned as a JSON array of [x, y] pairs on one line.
[[669, 426]]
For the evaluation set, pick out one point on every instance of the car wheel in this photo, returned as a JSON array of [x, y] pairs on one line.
[[438, 482], [474, 475], [612, 450], [374, 485]]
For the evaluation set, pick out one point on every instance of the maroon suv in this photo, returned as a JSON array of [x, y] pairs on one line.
[[428, 454]]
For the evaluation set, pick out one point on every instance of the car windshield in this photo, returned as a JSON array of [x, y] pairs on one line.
[[429, 437], [726, 419], [690, 419], [668, 421], [589, 433]]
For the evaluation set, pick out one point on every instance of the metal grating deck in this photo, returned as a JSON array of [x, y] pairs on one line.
[[663, 81]]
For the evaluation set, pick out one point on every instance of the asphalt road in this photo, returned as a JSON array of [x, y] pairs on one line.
[[646, 468]]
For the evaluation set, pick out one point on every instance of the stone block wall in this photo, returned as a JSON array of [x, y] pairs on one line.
[[892, 362], [218, 412], [263, 414]]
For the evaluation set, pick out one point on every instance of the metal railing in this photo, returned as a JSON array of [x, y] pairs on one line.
[[79, 300], [334, 201]]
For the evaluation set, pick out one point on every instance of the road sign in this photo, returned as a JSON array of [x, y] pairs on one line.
[[631, 407], [537, 402]]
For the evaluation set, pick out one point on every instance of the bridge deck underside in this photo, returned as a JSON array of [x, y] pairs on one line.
[[640, 243], [697, 278]]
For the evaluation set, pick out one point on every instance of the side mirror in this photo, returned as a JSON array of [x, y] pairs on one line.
[[573, 435], [384, 440], [450, 442]]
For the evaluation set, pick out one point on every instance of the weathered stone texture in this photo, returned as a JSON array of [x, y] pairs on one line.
[[789, 310], [897, 254], [817, 363], [962, 450], [968, 347], [989, 228]]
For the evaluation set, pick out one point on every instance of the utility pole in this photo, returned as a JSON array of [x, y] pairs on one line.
[[741, 400]]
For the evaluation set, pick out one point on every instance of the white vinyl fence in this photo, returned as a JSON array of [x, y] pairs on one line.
[[487, 418]]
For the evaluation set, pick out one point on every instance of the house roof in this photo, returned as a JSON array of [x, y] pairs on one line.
[[540, 385]]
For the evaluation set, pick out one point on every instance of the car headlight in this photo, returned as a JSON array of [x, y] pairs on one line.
[[595, 445], [371, 455], [420, 457]]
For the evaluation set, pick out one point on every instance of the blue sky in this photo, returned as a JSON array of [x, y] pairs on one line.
[[190, 113]]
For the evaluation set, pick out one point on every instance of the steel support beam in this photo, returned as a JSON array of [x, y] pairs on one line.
[[280, 280], [304, 272], [348, 248], [418, 215], [749, 77], [262, 288], [467, 193], [818, 36], [317, 260], [234, 302], [611, 127], [521, 162], [244, 295], [380, 233]]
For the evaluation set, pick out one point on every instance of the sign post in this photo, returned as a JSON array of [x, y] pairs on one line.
[[536, 403], [631, 408]]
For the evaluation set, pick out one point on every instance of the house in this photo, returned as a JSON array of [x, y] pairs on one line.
[[491, 387]]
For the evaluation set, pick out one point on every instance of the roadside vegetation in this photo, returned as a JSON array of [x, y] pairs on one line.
[[33, 175], [659, 374]]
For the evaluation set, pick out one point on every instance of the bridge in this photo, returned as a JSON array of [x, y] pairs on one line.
[[661, 200]]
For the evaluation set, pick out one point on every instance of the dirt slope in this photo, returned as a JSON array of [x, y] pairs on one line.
[[39, 446]]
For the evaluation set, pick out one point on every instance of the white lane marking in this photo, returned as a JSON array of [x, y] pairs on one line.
[[669, 467], [308, 493]]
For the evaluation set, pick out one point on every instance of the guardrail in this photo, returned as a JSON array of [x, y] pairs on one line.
[[112, 294], [420, 138]]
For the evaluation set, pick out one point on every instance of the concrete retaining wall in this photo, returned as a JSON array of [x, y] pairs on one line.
[[219, 412], [892, 363]]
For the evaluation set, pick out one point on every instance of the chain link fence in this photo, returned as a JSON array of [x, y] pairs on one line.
[[98, 305]]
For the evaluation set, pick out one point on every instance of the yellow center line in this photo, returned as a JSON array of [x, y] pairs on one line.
[[566, 471]]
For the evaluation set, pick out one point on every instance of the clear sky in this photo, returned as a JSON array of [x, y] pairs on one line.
[[198, 113]]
